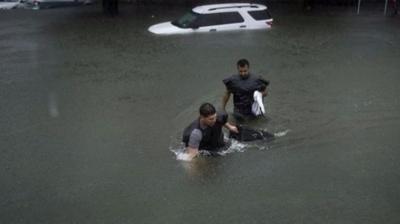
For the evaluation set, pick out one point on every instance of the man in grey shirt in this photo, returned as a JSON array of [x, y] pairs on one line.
[[205, 133]]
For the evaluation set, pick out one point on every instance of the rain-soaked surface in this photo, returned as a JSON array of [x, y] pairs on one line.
[[91, 108]]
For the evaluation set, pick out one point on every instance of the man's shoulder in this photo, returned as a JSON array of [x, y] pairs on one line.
[[255, 76], [231, 78], [222, 117], [259, 78], [221, 113], [196, 133]]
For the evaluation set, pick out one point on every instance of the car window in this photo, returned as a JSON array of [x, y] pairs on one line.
[[218, 19], [186, 20], [231, 17], [260, 15]]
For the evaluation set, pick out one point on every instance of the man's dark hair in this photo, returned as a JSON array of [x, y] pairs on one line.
[[207, 109], [243, 62]]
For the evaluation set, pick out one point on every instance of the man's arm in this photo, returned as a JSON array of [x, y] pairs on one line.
[[225, 99], [192, 152], [231, 127], [194, 143]]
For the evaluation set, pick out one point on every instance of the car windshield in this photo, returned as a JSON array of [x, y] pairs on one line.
[[186, 20]]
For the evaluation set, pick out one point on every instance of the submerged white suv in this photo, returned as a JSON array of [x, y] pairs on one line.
[[218, 17]]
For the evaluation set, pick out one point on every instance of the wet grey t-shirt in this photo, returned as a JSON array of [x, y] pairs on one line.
[[195, 137]]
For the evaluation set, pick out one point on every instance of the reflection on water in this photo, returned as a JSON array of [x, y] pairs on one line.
[[53, 105], [199, 167]]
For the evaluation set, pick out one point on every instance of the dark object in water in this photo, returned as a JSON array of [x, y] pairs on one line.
[[247, 134]]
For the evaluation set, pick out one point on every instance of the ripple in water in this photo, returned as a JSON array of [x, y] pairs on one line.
[[234, 146]]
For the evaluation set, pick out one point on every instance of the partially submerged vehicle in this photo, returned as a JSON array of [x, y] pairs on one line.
[[9, 4], [40, 4], [218, 17]]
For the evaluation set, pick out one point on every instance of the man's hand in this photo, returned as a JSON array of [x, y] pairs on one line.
[[234, 129], [192, 152], [231, 128], [265, 93]]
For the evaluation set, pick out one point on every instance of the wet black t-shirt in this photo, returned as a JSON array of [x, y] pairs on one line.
[[242, 90]]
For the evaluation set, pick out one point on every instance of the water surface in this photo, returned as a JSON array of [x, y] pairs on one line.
[[91, 107]]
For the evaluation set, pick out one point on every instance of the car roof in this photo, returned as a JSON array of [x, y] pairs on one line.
[[228, 7]]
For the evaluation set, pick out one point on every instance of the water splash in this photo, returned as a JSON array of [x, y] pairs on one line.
[[183, 156], [179, 152], [281, 133], [234, 146]]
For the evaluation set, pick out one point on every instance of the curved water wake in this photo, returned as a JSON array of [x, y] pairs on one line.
[[179, 152], [281, 133], [233, 146], [183, 156]]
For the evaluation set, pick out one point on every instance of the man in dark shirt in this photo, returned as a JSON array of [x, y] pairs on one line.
[[205, 133], [242, 86]]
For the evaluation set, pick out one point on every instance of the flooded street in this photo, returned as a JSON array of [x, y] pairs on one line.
[[92, 106]]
